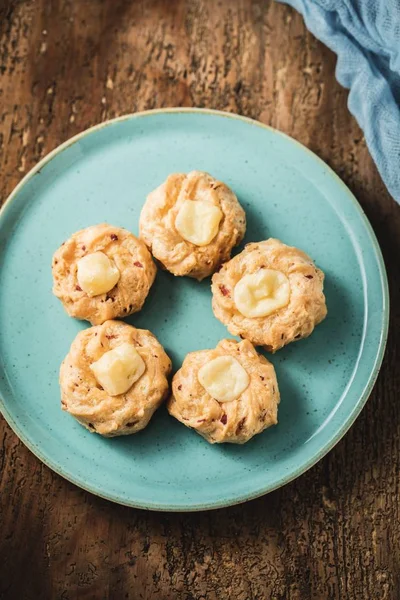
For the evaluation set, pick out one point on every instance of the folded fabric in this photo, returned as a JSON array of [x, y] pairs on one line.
[[365, 35]]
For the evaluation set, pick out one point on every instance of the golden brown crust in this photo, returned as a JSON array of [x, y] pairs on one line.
[[236, 421], [130, 255], [83, 397], [297, 320], [157, 224]]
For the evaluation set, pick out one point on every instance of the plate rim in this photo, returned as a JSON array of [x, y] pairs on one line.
[[369, 384]]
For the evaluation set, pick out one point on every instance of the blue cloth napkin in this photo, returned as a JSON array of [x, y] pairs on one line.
[[365, 35]]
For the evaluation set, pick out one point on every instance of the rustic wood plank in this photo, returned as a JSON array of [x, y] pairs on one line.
[[333, 533]]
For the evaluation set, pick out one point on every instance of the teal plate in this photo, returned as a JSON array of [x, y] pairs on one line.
[[104, 174]]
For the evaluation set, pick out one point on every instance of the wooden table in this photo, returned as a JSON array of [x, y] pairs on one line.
[[333, 533]]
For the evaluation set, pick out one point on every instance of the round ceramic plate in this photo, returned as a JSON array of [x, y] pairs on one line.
[[104, 174]]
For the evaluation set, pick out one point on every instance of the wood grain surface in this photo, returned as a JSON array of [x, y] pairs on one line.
[[332, 534]]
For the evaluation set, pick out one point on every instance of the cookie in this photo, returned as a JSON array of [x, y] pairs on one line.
[[228, 394], [191, 222], [102, 272], [270, 294], [114, 378]]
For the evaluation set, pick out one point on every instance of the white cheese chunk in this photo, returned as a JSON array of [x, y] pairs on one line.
[[262, 293], [224, 378], [198, 222], [117, 370], [97, 274]]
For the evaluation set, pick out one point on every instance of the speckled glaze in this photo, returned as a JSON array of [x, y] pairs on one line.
[[104, 174]]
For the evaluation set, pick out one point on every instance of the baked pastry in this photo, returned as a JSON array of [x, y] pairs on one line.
[[270, 294], [228, 394], [102, 272], [114, 378], [191, 222]]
